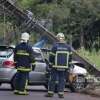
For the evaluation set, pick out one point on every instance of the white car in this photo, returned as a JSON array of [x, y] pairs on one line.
[[77, 77], [78, 68]]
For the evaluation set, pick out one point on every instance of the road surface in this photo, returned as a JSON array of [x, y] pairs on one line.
[[38, 92]]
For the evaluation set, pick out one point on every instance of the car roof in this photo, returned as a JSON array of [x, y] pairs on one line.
[[6, 46]]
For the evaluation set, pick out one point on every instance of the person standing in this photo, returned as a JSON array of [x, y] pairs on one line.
[[60, 59], [23, 58]]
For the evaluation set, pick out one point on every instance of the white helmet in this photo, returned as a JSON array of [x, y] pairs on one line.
[[25, 36], [60, 35]]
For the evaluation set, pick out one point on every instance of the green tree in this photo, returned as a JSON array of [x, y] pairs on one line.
[[73, 17]]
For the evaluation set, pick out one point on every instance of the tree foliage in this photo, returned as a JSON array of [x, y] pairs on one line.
[[76, 18]]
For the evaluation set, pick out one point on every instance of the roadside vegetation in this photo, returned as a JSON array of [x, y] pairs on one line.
[[93, 57]]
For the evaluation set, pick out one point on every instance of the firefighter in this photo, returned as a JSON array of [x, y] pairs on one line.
[[24, 58], [60, 58]]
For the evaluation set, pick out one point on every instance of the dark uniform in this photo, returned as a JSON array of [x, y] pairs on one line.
[[60, 59], [23, 57]]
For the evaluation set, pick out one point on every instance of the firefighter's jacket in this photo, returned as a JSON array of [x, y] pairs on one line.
[[23, 57], [60, 55]]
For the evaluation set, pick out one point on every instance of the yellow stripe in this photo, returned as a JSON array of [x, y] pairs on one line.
[[23, 69], [22, 93], [51, 92], [61, 93], [70, 63], [70, 53], [51, 53], [15, 91], [26, 84], [26, 54], [61, 52], [66, 52], [51, 63], [33, 63], [56, 66]]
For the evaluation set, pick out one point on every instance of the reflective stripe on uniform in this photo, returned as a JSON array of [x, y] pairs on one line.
[[50, 78], [33, 63], [24, 69], [26, 54], [70, 62], [23, 92], [50, 92], [56, 82], [26, 84], [22, 52], [50, 63], [61, 93], [61, 52], [56, 66], [15, 91], [51, 53], [70, 53]]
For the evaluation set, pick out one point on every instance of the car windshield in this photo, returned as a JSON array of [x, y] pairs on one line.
[[37, 55]]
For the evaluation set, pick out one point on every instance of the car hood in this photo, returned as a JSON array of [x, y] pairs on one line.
[[79, 70]]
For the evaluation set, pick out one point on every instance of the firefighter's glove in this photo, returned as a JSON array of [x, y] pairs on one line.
[[49, 67]]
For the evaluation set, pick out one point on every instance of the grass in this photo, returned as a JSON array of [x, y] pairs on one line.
[[93, 57]]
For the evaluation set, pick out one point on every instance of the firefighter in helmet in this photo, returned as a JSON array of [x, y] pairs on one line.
[[60, 58], [24, 58]]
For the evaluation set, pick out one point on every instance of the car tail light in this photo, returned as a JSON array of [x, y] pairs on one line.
[[9, 64]]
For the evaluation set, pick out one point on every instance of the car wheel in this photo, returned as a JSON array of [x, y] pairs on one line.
[[13, 83], [78, 84]]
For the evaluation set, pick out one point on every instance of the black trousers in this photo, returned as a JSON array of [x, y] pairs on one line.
[[59, 77], [21, 80]]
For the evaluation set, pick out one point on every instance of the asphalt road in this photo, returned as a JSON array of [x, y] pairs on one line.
[[38, 92]]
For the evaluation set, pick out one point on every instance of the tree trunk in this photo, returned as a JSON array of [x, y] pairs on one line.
[[82, 38]]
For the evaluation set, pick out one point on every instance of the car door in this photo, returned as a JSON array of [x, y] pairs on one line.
[[37, 75]]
